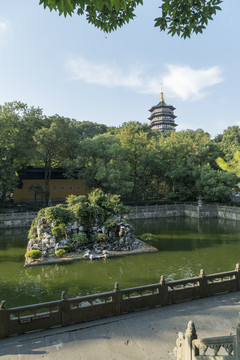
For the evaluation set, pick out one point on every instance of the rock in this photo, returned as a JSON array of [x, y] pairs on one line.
[[63, 242], [75, 226], [58, 246], [44, 254], [105, 252]]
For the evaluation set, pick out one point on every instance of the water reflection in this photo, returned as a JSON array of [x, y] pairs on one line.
[[185, 246]]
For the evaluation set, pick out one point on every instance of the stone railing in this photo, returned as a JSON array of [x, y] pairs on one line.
[[189, 347], [190, 210], [64, 312], [16, 219]]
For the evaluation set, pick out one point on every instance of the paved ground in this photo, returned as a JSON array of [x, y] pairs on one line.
[[148, 334]]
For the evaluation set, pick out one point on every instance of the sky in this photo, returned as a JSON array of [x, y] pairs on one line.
[[68, 67]]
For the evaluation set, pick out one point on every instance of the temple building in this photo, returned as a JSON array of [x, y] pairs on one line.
[[162, 116]]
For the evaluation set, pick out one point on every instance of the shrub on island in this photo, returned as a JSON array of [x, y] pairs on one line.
[[87, 225], [33, 254]]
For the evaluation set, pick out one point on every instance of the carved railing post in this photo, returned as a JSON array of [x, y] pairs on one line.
[[237, 342], [190, 335], [237, 269], [203, 284], [118, 299], [64, 309], [179, 348], [3, 320], [163, 291]]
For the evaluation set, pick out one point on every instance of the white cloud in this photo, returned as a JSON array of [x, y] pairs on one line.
[[179, 81], [103, 74], [187, 83], [4, 25]]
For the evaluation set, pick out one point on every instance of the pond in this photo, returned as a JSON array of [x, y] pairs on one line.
[[185, 246]]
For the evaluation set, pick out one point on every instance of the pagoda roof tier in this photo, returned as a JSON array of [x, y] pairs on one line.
[[172, 123], [162, 104], [152, 116]]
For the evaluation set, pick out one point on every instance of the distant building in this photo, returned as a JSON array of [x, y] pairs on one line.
[[59, 186], [162, 116]]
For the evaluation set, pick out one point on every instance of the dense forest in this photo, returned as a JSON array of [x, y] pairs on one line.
[[130, 160]]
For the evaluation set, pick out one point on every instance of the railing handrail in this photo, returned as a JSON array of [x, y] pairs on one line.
[[119, 301]]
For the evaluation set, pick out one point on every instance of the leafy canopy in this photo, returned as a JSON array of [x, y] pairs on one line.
[[181, 17]]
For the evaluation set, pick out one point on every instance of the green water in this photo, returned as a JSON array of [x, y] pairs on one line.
[[185, 246]]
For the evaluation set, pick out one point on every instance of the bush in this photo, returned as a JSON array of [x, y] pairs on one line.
[[147, 237], [59, 231], [68, 247], [60, 252], [33, 254], [81, 238], [100, 238], [58, 214], [111, 224]]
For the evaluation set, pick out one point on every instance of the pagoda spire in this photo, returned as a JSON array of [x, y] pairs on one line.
[[161, 96]]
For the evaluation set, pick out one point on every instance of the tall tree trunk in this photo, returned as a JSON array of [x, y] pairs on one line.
[[47, 178]]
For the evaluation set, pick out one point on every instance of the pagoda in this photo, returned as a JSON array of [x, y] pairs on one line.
[[162, 116]]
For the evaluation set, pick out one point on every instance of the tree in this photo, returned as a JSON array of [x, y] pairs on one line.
[[17, 126], [138, 143], [214, 185], [104, 164], [233, 165], [229, 141], [56, 143], [88, 129], [181, 17], [37, 190], [180, 154]]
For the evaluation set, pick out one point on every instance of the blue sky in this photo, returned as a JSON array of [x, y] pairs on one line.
[[68, 67]]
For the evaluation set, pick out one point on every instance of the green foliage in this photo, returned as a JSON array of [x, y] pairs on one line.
[[106, 15], [33, 254], [147, 237], [88, 129], [17, 125], [232, 166], [68, 247], [183, 17], [84, 211], [99, 238], [37, 190], [228, 142], [59, 231], [106, 204], [60, 252], [215, 185], [32, 233], [179, 17], [56, 143], [104, 164], [81, 238], [111, 224], [58, 214]]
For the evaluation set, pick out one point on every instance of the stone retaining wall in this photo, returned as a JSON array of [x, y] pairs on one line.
[[142, 212], [15, 219], [194, 211]]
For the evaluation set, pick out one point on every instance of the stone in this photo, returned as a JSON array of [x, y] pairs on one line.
[[105, 252]]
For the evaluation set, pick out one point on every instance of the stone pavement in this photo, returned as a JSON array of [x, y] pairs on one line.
[[149, 334]]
